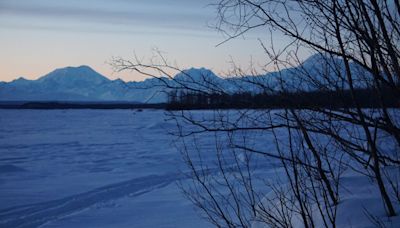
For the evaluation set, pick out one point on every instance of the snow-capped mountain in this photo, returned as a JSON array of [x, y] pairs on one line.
[[79, 84], [84, 84], [201, 79], [318, 72]]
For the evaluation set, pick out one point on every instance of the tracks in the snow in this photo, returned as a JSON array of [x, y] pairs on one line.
[[34, 215]]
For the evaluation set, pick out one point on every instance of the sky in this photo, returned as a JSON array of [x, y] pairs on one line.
[[38, 36]]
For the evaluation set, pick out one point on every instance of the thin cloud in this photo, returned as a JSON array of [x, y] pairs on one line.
[[111, 30], [142, 15]]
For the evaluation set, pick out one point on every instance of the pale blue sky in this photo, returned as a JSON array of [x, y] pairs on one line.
[[37, 36]]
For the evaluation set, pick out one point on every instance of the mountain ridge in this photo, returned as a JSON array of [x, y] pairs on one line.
[[82, 83]]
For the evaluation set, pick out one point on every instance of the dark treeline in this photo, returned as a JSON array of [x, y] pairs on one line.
[[367, 98]]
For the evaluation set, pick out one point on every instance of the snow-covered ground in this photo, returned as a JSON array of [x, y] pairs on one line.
[[119, 168], [90, 168]]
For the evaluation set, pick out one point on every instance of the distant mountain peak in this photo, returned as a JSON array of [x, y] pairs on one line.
[[320, 59], [84, 67], [73, 69], [80, 74], [77, 83], [20, 79], [195, 74], [198, 70]]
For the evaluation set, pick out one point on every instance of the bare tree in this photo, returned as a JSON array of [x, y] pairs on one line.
[[358, 46]]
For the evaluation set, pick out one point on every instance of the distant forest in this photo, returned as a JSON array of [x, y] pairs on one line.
[[366, 98], [189, 100]]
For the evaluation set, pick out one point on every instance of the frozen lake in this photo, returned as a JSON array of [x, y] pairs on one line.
[[120, 168], [90, 168]]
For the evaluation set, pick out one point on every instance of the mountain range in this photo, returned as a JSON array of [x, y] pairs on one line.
[[80, 84], [85, 84]]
